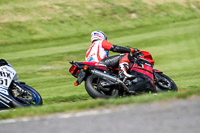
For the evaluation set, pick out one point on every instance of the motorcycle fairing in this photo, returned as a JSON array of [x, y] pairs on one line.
[[143, 67], [7, 74], [96, 65], [157, 71], [147, 56], [5, 101]]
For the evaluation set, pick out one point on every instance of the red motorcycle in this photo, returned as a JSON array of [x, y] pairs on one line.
[[103, 82]]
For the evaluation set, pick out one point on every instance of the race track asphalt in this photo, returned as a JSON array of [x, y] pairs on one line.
[[174, 116]]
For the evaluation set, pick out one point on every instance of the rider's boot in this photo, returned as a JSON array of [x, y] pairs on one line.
[[123, 68]]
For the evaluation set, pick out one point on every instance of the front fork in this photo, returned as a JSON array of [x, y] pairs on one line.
[[17, 90]]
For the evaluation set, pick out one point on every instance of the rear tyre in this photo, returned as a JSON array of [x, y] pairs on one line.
[[92, 86], [165, 83]]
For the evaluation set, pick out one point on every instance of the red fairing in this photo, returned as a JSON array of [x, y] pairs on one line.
[[91, 63], [157, 71], [96, 64], [146, 70], [147, 56]]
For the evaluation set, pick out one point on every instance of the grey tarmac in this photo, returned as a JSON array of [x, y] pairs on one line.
[[174, 116]]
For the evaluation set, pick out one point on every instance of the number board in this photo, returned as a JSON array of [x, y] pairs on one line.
[[7, 74]]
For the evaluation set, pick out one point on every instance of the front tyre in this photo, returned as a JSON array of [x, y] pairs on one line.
[[95, 90], [33, 98], [165, 83]]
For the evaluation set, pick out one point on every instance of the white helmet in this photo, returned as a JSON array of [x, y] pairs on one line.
[[98, 35]]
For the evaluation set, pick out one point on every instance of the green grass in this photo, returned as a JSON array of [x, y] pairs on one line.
[[45, 35]]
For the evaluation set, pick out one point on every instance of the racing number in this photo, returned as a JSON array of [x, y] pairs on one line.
[[3, 82]]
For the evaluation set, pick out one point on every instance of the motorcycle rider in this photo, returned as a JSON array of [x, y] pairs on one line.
[[99, 52]]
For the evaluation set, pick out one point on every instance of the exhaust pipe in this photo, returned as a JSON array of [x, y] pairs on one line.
[[109, 77]]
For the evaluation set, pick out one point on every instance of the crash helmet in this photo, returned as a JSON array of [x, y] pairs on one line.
[[98, 35]]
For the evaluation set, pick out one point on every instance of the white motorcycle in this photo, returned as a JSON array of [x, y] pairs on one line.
[[14, 93]]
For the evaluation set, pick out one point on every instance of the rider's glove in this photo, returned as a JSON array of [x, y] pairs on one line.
[[134, 51]]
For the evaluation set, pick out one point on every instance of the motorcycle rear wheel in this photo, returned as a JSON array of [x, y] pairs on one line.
[[91, 86]]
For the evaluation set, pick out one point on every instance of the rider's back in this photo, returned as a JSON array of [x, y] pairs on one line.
[[96, 51]]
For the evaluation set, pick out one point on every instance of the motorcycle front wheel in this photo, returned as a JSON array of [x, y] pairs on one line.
[[32, 98], [95, 90], [165, 83]]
